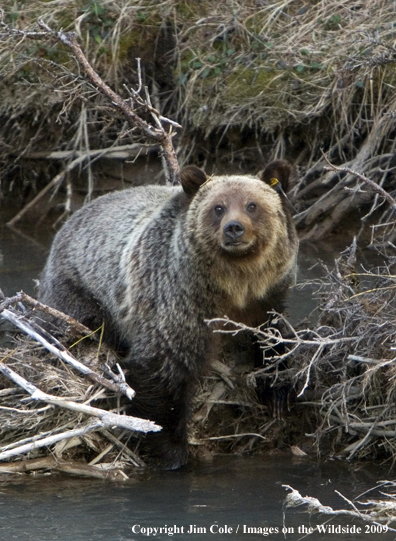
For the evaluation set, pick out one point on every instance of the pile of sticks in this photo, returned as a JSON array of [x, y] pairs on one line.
[[46, 398]]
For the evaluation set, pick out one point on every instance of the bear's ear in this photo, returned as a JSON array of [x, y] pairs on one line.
[[277, 175], [192, 178]]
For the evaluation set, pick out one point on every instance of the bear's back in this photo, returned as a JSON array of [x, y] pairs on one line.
[[87, 253]]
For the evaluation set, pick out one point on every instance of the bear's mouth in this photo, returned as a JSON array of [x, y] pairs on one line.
[[235, 243], [238, 247]]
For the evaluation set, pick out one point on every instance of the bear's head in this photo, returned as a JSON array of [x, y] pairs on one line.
[[241, 230], [239, 216]]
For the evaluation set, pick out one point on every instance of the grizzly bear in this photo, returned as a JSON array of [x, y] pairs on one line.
[[153, 263]]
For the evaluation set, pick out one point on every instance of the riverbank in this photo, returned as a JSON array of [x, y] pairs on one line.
[[249, 83]]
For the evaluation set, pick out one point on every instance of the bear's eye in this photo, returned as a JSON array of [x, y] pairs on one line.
[[251, 207], [219, 210]]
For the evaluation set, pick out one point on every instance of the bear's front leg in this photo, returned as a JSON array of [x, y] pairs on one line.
[[167, 403]]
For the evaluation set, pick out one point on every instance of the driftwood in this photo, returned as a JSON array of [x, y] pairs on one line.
[[65, 466], [377, 512]]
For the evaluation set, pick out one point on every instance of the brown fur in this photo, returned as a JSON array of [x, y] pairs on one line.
[[247, 272], [154, 262]]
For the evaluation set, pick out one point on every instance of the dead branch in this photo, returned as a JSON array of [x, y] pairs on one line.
[[54, 182], [157, 133], [50, 440], [60, 351], [107, 419], [383, 193], [67, 466], [375, 514], [37, 305], [119, 152]]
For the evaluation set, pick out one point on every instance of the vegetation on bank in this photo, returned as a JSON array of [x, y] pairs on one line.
[[247, 80]]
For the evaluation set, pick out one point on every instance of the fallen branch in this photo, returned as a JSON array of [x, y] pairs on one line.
[[294, 499], [54, 182], [50, 440], [122, 152], [232, 436], [66, 466], [60, 351], [36, 437], [107, 419]]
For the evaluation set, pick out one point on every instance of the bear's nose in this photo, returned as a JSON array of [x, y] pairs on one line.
[[234, 229]]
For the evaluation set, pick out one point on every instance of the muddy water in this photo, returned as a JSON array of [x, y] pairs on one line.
[[230, 498]]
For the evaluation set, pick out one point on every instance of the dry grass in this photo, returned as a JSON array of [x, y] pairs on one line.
[[248, 81], [27, 421], [296, 76]]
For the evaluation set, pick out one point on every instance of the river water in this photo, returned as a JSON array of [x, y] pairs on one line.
[[229, 498], [232, 494]]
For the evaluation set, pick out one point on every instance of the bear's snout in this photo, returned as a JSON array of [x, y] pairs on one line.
[[233, 230]]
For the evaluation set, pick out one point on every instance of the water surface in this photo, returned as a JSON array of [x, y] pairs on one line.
[[206, 499]]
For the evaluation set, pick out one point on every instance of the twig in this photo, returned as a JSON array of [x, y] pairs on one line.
[[57, 349], [230, 436], [107, 418], [135, 459], [308, 369], [365, 179], [360, 359]]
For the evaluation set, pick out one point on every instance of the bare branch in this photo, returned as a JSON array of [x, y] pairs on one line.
[[158, 134], [57, 349], [365, 179]]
